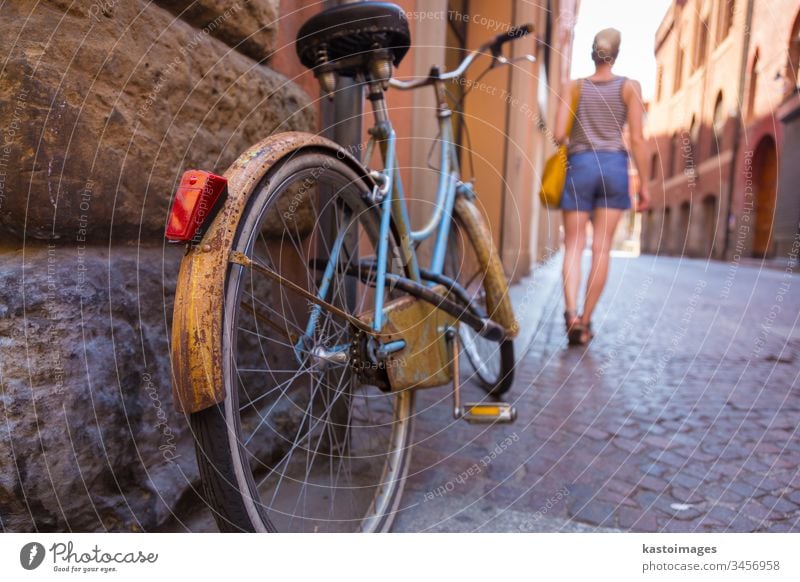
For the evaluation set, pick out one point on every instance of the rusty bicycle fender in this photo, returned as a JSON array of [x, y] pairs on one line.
[[498, 303], [197, 324]]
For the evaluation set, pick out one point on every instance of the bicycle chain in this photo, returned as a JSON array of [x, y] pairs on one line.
[[355, 348]]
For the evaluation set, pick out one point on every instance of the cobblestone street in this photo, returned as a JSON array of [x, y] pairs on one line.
[[681, 415]]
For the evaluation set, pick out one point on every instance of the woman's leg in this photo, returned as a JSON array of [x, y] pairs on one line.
[[574, 242], [604, 223]]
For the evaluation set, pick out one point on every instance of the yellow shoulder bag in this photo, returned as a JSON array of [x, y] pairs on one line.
[[554, 175]]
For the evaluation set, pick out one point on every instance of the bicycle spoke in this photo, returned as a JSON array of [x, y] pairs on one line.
[[264, 337], [309, 415], [310, 461], [266, 306], [263, 419]]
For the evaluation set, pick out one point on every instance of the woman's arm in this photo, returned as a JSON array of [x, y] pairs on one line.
[[562, 115], [632, 94]]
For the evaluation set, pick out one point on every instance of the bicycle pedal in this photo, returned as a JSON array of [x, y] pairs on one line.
[[489, 412]]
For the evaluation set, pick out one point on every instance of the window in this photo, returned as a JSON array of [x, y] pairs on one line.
[[659, 81], [702, 45], [678, 71], [718, 127], [727, 9], [753, 89], [689, 151]]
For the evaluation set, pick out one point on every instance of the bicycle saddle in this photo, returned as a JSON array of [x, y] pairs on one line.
[[347, 36]]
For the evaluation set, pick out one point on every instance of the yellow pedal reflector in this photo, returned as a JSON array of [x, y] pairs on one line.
[[497, 412], [485, 410]]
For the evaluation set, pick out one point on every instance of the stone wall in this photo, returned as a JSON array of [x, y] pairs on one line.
[[103, 105]]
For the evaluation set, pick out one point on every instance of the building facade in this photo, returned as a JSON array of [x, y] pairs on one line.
[[722, 131]]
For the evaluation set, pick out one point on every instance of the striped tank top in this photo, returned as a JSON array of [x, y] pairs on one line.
[[602, 113]]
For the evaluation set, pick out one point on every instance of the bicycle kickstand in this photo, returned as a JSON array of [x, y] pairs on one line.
[[478, 412]]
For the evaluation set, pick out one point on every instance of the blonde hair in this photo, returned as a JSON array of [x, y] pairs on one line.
[[605, 47]]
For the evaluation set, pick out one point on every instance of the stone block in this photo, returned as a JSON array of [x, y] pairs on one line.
[[89, 439], [102, 110]]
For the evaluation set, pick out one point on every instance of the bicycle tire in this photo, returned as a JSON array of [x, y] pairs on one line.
[[227, 466], [492, 362]]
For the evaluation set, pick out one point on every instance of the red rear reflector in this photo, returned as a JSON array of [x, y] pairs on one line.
[[194, 202]]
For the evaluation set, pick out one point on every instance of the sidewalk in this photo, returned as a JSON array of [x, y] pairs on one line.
[[489, 500], [535, 299], [681, 415]]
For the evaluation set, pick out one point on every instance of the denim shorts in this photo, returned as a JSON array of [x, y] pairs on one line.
[[596, 180]]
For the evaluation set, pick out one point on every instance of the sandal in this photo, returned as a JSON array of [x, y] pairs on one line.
[[575, 328], [587, 335]]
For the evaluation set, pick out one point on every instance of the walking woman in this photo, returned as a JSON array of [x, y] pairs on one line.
[[596, 188]]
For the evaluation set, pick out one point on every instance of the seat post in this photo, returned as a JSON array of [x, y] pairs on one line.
[[375, 94]]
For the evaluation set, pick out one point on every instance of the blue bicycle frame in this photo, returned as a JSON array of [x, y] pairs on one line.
[[391, 198]]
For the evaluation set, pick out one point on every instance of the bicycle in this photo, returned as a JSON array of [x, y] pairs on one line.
[[303, 320]]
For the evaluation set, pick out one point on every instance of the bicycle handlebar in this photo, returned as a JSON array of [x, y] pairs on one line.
[[493, 47], [513, 33]]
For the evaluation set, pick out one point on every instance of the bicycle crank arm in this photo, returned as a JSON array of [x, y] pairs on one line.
[[478, 412]]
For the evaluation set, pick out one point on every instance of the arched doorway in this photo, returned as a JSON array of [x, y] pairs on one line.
[[718, 126], [709, 225], [650, 232], [765, 169], [684, 220]]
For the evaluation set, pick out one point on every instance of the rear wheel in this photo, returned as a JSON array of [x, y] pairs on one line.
[[301, 443], [492, 362]]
